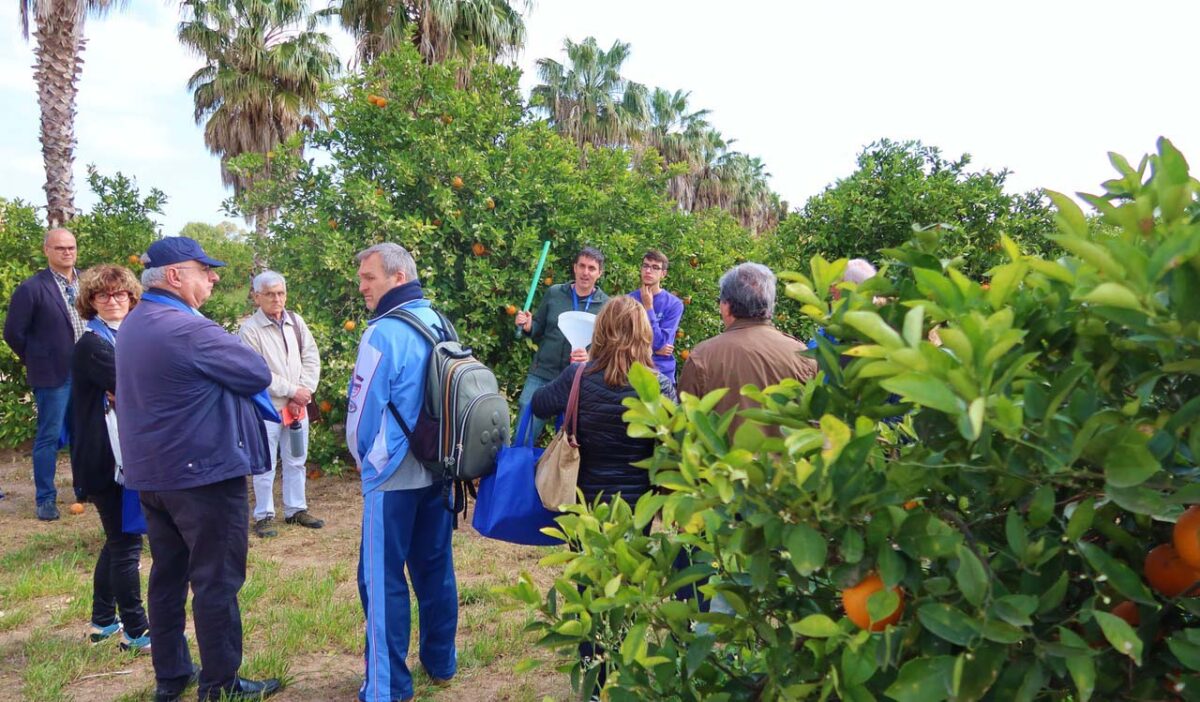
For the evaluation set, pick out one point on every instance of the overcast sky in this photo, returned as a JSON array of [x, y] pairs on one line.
[[1044, 88]]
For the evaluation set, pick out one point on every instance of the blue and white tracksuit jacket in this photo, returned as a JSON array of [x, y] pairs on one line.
[[404, 517]]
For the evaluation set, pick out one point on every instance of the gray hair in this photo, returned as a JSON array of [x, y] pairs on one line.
[[395, 259], [858, 270], [154, 277], [749, 290], [267, 279], [46, 236]]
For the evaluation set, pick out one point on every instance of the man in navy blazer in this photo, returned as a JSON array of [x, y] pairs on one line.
[[41, 328]]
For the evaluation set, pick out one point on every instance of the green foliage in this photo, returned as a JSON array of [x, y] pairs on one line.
[[231, 297], [20, 257], [471, 186], [1047, 443]]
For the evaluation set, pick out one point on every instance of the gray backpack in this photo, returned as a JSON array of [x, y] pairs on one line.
[[463, 421]]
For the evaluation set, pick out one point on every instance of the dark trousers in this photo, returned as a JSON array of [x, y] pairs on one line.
[[53, 412], [198, 535], [413, 528], [115, 583]]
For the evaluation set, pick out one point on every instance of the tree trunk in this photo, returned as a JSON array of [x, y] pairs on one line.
[[59, 37]]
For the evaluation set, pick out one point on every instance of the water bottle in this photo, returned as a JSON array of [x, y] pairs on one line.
[[297, 438]]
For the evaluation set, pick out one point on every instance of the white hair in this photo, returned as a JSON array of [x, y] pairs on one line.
[[858, 270], [267, 279], [395, 259], [153, 277]]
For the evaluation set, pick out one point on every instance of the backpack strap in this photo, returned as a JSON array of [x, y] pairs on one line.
[[447, 330]]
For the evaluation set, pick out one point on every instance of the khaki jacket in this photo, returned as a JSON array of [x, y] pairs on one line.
[[290, 367], [749, 352]]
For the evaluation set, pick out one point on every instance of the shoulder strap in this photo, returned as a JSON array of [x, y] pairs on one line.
[[299, 334], [571, 417], [447, 329]]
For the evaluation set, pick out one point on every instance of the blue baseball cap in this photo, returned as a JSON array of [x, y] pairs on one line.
[[177, 249]]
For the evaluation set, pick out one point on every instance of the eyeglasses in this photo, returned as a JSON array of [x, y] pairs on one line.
[[119, 296], [203, 269], [63, 249], [279, 293], [651, 267]]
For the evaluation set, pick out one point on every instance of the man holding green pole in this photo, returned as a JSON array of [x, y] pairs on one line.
[[554, 353]]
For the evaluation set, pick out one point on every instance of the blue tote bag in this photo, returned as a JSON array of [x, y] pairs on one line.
[[508, 507]]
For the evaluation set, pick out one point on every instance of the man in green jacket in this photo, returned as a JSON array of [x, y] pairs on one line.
[[554, 353]]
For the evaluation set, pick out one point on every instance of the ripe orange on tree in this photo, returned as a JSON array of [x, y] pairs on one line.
[[456, 182], [510, 310], [478, 249], [326, 406], [1186, 537], [349, 325], [1128, 611], [1167, 573], [684, 354], [134, 259], [490, 203], [854, 601], [548, 280]]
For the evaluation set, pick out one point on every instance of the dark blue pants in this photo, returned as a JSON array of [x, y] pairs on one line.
[[115, 583], [413, 528], [52, 405], [198, 536]]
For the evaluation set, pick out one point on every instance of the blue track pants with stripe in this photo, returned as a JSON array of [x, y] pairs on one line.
[[413, 528]]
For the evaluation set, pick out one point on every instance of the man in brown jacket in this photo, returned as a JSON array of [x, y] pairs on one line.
[[751, 351]]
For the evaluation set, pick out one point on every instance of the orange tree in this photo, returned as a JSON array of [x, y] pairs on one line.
[[472, 186], [119, 225], [1048, 441]]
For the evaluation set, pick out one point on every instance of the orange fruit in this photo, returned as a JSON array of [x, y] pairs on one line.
[[478, 249], [510, 310], [854, 601], [134, 259], [313, 474], [986, 286], [378, 192], [447, 119], [694, 262], [490, 203], [912, 504], [1186, 537], [679, 334], [372, 99], [1129, 612], [548, 280], [1167, 572], [326, 406], [349, 325], [687, 300], [76, 508], [333, 224], [437, 222], [456, 182], [381, 101], [684, 354]]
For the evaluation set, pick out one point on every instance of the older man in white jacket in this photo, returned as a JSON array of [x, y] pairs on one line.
[[284, 341]]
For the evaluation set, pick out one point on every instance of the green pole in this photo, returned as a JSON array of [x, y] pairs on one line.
[[537, 275]]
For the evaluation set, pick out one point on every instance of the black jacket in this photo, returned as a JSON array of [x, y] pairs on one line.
[[38, 329], [606, 452], [93, 371]]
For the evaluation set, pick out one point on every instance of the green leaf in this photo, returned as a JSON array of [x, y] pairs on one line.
[[1041, 506], [882, 604], [971, 577], [1070, 218], [1186, 650], [852, 546], [871, 325], [1083, 672], [923, 680], [980, 670], [817, 626], [1081, 519], [807, 548], [1129, 462], [1113, 295], [634, 646], [949, 623], [923, 535], [1002, 632], [1122, 636], [1053, 595], [925, 390], [1015, 609], [645, 382], [1014, 532], [858, 665], [1120, 576], [914, 322]]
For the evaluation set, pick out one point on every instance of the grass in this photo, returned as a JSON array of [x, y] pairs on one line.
[[302, 621]]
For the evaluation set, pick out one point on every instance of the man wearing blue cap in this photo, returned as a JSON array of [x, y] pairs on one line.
[[190, 434]]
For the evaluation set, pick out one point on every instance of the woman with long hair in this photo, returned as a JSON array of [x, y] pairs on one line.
[[106, 294], [622, 337]]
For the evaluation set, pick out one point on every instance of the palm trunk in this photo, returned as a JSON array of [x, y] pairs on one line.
[[59, 37]]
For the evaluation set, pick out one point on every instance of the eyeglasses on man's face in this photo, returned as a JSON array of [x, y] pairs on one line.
[[63, 249], [651, 267], [119, 296], [206, 270]]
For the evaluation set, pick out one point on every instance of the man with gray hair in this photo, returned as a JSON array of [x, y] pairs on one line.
[[751, 351], [284, 341], [405, 520]]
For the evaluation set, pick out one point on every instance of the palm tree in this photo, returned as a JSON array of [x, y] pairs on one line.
[[678, 135], [588, 100], [263, 78], [57, 64], [438, 28]]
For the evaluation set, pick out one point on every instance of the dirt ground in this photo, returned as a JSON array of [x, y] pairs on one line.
[[332, 675]]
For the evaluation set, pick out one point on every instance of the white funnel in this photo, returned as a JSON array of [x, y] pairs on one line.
[[577, 327]]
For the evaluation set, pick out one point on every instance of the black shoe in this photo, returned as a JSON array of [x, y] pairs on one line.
[[47, 511], [304, 519], [161, 695], [264, 528], [246, 691]]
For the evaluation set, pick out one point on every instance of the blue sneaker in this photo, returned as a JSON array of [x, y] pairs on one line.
[[102, 633], [139, 645]]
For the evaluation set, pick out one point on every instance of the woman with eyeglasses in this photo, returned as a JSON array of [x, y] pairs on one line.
[[106, 294]]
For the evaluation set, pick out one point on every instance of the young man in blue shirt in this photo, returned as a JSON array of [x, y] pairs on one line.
[[663, 309]]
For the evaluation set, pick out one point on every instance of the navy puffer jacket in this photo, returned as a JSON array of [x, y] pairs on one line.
[[606, 452]]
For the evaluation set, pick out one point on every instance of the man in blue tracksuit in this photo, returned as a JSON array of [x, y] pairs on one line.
[[405, 520]]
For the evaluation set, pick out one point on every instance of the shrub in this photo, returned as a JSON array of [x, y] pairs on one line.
[[1046, 447]]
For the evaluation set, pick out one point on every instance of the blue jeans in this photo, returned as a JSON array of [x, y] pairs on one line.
[[52, 407], [532, 384]]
